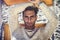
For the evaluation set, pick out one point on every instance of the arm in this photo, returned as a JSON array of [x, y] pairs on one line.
[[52, 20]]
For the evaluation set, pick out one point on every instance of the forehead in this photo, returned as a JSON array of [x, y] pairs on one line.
[[29, 12]]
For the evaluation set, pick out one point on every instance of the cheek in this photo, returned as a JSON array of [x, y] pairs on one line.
[[25, 20], [33, 20]]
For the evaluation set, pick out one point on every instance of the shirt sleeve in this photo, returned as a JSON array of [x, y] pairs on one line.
[[52, 20]]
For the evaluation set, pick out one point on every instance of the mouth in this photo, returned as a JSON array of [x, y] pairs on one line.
[[29, 24]]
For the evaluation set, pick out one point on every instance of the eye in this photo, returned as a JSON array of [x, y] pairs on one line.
[[32, 16], [26, 16]]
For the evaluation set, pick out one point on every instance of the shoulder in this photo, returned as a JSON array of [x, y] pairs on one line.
[[17, 32]]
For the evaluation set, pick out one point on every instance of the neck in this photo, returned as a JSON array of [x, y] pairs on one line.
[[30, 28]]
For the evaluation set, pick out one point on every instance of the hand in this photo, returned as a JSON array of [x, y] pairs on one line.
[[35, 2]]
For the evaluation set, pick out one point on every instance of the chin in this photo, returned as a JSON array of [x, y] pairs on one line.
[[29, 26]]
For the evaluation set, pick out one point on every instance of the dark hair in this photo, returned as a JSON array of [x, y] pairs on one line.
[[31, 8]]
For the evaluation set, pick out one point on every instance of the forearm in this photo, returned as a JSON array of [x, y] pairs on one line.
[[52, 19]]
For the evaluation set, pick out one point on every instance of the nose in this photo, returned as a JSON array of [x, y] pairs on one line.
[[29, 20]]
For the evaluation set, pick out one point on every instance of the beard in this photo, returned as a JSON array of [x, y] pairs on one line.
[[29, 26]]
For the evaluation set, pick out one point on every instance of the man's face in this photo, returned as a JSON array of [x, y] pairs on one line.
[[29, 18]]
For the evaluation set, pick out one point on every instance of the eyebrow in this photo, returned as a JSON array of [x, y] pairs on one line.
[[30, 16]]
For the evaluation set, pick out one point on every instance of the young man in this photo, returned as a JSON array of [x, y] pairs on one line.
[[29, 32]]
